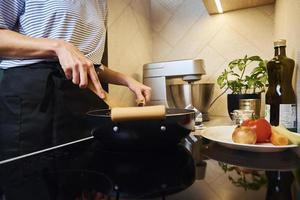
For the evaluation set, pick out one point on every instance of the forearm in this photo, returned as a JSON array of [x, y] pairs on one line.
[[15, 45], [142, 92], [109, 76]]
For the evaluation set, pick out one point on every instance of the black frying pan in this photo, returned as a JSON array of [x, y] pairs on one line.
[[141, 134]]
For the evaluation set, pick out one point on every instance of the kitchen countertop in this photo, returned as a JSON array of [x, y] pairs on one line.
[[194, 170], [214, 121], [218, 121], [224, 121]]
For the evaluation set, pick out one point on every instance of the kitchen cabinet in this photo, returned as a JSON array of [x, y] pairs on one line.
[[229, 5]]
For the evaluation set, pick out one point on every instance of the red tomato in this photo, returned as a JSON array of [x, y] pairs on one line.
[[261, 127]]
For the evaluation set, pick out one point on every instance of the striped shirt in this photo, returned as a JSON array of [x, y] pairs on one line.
[[80, 22]]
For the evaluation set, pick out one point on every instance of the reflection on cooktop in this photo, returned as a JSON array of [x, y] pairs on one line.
[[197, 170], [85, 173]]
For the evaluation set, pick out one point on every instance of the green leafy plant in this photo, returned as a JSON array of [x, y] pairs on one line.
[[235, 78]]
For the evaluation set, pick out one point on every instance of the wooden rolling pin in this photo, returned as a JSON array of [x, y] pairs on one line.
[[119, 113], [138, 113]]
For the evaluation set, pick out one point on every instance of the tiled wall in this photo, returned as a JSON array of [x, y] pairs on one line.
[[182, 29], [129, 42], [142, 31], [287, 24]]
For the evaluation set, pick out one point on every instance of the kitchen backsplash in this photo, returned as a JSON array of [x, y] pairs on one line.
[[298, 88], [142, 31], [129, 42], [183, 29], [287, 17]]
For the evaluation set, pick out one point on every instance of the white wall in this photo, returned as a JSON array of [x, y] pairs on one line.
[[182, 29], [129, 42]]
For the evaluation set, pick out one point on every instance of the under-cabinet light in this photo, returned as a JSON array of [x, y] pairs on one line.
[[219, 6]]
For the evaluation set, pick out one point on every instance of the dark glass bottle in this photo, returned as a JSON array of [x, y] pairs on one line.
[[279, 185], [280, 97]]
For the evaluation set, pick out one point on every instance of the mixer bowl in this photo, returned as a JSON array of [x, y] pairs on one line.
[[198, 95]]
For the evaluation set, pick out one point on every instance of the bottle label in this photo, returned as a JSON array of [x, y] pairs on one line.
[[267, 112], [287, 115]]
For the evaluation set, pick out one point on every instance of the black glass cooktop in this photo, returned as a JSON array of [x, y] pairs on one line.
[[191, 171]]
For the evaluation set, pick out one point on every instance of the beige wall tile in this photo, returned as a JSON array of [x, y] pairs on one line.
[[161, 48], [287, 24], [129, 42], [269, 10], [260, 35], [196, 38], [161, 16], [192, 33], [186, 15], [142, 8], [213, 62], [220, 106], [121, 34], [230, 44], [170, 5], [116, 8], [142, 31], [141, 12]]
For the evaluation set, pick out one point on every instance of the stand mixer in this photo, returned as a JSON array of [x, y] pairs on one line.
[[176, 84]]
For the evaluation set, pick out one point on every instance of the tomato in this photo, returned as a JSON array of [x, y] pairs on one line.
[[261, 127]]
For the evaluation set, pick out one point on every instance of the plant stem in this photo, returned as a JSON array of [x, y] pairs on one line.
[[218, 97], [243, 72], [245, 69]]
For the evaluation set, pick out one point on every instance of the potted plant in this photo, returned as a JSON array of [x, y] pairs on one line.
[[246, 78]]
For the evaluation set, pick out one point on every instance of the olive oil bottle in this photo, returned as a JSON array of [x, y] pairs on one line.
[[280, 96]]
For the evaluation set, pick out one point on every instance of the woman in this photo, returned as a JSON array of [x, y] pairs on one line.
[[48, 50]]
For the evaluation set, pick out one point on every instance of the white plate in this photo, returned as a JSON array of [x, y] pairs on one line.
[[222, 135]]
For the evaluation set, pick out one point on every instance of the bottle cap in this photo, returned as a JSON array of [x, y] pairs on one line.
[[280, 43]]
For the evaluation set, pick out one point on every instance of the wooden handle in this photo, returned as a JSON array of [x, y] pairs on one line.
[[111, 102], [138, 113], [108, 100]]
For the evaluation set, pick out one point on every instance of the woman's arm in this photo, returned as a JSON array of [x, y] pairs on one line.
[[75, 65], [142, 92], [15, 45]]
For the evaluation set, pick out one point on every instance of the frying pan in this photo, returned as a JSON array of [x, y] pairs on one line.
[[141, 134]]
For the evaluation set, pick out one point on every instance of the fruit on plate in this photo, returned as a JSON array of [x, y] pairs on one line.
[[244, 135], [293, 137], [261, 127], [277, 138]]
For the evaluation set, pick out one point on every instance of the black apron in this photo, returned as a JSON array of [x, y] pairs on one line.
[[40, 108]]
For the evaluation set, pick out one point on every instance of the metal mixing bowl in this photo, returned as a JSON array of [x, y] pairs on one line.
[[198, 95]]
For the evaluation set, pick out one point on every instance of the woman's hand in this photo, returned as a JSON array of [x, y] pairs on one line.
[[77, 67], [141, 91]]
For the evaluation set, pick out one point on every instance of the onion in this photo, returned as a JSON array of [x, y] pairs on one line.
[[244, 135]]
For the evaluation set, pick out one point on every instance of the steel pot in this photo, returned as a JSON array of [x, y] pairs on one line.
[[198, 95]]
